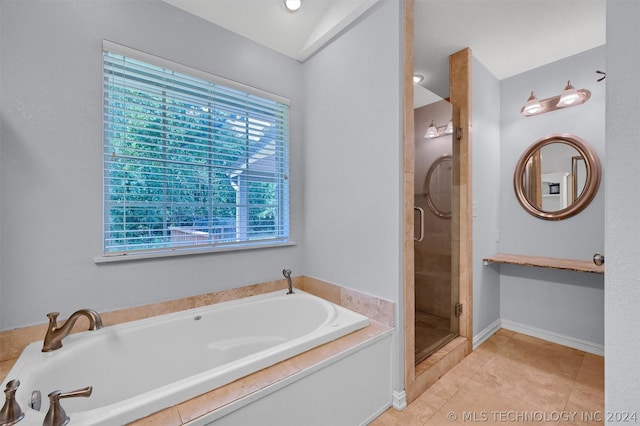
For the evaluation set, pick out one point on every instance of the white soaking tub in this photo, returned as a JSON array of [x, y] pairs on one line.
[[140, 367]]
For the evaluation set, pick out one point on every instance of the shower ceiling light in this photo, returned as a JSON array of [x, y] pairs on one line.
[[569, 97], [292, 5]]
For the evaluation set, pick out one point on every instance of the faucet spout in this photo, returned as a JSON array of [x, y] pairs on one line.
[[287, 275], [55, 334]]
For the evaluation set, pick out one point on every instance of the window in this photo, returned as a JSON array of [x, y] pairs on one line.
[[191, 161]]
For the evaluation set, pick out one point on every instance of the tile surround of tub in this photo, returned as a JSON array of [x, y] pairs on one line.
[[13, 342], [378, 309]]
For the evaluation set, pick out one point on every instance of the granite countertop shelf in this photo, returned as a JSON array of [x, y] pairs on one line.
[[546, 262]]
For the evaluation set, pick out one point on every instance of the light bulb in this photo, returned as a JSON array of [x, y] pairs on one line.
[[532, 106], [432, 131], [293, 5], [569, 96]]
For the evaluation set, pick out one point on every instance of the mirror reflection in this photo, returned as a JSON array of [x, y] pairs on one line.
[[557, 177], [437, 186], [551, 183]]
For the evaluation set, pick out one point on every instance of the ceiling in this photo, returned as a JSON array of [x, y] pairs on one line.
[[297, 35], [507, 36]]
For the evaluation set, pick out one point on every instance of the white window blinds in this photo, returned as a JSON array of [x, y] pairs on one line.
[[189, 162]]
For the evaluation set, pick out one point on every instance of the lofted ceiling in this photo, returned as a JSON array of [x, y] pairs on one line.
[[297, 35], [507, 36]]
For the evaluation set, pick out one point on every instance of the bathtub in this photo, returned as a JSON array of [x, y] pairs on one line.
[[140, 367]]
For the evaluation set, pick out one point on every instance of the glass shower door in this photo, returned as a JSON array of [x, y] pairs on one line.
[[436, 290]]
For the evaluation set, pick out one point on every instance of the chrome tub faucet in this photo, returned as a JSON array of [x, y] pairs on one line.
[[287, 275], [55, 334]]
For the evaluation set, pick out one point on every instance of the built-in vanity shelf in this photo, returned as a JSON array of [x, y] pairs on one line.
[[546, 262]]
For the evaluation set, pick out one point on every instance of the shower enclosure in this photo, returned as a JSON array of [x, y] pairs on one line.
[[436, 292]]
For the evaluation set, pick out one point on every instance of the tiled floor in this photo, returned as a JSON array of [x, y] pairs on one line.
[[512, 379]]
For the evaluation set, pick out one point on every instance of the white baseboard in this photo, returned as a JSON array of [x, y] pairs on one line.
[[561, 339], [399, 400], [481, 337]]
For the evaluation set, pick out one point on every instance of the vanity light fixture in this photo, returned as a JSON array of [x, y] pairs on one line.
[[532, 106], [436, 132], [569, 97], [432, 131], [292, 5], [449, 129]]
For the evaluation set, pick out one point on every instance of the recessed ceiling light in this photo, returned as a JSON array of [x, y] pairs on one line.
[[292, 5]]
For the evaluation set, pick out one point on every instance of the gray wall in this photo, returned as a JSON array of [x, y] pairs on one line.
[[352, 159], [50, 155], [1, 120], [566, 303], [622, 241], [485, 151]]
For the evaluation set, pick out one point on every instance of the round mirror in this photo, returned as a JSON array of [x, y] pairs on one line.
[[437, 186], [557, 177]]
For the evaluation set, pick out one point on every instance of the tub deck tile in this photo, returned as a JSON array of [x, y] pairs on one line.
[[218, 398], [166, 417], [5, 367]]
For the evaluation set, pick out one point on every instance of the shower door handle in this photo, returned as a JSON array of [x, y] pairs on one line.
[[421, 212]]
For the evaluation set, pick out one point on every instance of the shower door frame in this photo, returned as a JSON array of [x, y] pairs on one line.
[[417, 380]]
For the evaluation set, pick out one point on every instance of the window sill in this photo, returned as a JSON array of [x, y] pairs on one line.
[[187, 252]]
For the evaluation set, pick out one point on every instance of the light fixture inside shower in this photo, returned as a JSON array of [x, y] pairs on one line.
[[434, 131], [569, 97]]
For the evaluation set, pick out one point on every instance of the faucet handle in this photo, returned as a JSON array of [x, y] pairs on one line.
[[56, 415], [86, 392], [11, 412], [53, 317]]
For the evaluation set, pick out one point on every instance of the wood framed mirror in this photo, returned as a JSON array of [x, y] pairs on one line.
[[557, 177]]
